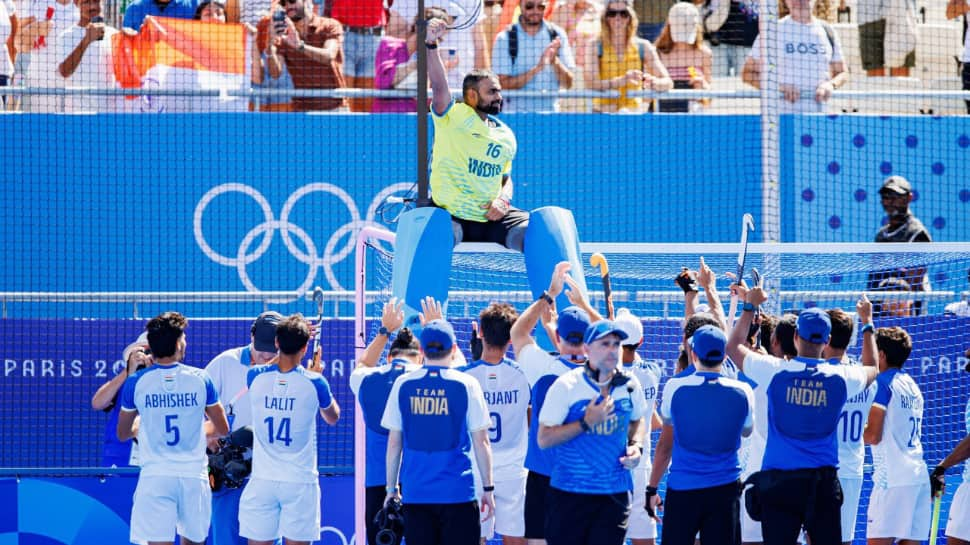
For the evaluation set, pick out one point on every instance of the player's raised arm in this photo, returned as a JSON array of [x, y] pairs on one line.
[[440, 93], [737, 348], [521, 332]]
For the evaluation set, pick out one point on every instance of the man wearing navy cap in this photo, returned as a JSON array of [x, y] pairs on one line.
[[435, 416], [703, 490], [798, 483], [593, 417], [541, 370], [228, 373], [902, 226]]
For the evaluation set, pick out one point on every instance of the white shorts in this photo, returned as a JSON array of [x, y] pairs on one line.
[[900, 512], [640, 525], [509, 519], [851, 491], [958, 521], [165, 505], [269, 510]]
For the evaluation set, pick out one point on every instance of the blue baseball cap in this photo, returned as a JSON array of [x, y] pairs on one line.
[[571, 324], [602, 328], [264, 331], [437, 339], [708, 342], [814, 325]]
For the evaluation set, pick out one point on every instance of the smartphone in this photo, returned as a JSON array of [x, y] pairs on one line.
[[279, 20], [98, 19]]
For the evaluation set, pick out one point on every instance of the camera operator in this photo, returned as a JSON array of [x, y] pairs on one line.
[[136, 356], [228, 372]]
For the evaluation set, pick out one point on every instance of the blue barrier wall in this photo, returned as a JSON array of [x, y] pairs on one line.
[[124, 207]]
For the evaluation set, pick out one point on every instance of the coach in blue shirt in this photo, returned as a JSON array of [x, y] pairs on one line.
[[798, 484], [435, 416], [705, 415]]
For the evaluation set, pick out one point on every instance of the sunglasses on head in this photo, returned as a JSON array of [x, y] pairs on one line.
[[285, 2], [490, 3], [617, 13], [528, 7]]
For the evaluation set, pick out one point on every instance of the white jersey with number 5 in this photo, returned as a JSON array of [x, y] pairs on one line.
[[507, 394], [285, 408], [171, 400], [852, 422], [898, 458]]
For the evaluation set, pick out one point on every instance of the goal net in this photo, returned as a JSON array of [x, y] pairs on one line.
[[799, 276]]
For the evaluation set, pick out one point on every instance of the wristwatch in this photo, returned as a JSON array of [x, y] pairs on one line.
[[546, 297], [384, 331]]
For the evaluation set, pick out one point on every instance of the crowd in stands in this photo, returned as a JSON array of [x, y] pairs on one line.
[[535, 46]]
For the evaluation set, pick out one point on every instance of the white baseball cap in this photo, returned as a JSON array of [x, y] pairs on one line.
[[630, 325], [683, 19]]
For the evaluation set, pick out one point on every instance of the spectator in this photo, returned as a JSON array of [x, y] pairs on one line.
[[85, 60], [620, 60], [44, 21], [651, 15], [731, 27], [887, 36], [8, 26], [364, 22], [136, 11], [396, 65], [897, 307], [136, 356], [682, 51], [902, 226], [959, 308], [533, 55], [954, 9], [810, 65], [492, 19], [311, 49], [580, 19]]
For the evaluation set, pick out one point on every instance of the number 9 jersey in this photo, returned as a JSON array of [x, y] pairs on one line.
[[284, 409]]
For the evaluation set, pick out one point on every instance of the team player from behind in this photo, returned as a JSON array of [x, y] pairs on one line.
[[282, 497], [172, 400], [642, 528], [852, 420], [542, 369], [899, 507], [507, 394]]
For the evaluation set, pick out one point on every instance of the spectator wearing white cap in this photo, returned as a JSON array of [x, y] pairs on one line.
[[703, 490], [642, 529], [136, 356], [683, 52], [594, 418], [228, 373]]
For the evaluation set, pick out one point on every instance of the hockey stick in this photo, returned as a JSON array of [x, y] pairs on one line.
[[935, 526], [317, 349], [747, 224], [598, 260]]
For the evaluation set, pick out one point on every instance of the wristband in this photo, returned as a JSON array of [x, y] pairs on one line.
[[383, 331], [868, 328], [391, 489], [431, 45], [546, 297], [747, 307], [584, 425], [489, 488], [651, 490]]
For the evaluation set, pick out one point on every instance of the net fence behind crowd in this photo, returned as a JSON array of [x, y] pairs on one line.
[[903, 56]]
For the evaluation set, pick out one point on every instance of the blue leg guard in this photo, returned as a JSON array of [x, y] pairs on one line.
[[550, 238], [422, 259]]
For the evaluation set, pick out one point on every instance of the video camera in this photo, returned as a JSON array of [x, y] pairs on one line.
[[390, 521], [233, 462]]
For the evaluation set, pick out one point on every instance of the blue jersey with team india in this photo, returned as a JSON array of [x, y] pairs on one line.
[[285, 407], [171, 400], [708, 413], [436, 409], [590, 462], [805, 399], [372, 386]]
